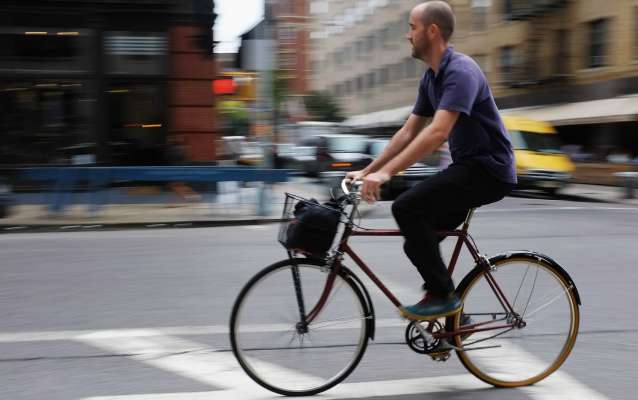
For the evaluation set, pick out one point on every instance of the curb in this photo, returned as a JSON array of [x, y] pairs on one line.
[[46, 228]]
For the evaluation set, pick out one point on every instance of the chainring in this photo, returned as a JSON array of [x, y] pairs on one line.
[[415, 340]]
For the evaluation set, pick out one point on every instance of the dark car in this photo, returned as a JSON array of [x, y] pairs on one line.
[[5, 197], [338, 154], [404, 180]]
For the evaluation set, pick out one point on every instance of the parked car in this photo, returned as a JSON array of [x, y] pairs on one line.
[[302, 159], [5, 197], [242, 151], [337, 154], [404, 180]]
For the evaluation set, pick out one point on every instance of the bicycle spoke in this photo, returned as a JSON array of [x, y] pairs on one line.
[[561, 291], [328, 323], [520, 286], [531, 293]]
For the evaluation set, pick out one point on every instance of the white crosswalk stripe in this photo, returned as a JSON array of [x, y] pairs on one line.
[[162, 349]]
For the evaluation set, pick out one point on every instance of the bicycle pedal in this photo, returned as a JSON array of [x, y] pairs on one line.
[[440, 356], [442, 352]]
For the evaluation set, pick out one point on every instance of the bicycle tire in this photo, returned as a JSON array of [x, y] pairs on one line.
[[534, 368], [238, 325]]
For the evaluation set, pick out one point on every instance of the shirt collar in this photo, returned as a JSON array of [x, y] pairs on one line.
[[445, 60]]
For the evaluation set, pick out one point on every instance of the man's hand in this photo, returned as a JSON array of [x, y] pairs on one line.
[[371, 189], [353, 176]]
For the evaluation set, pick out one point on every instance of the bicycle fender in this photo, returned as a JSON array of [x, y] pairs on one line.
[[370, 321], [543, 257]]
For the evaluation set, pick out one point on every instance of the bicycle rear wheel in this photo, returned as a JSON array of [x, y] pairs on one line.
[[546, 301], [271, 345]]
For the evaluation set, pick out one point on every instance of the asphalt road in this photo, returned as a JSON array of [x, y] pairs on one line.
[[136, 314]]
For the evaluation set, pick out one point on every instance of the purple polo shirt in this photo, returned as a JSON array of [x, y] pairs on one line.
[[479, 133]]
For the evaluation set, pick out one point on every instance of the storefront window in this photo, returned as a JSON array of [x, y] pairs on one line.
[[44, 121], [138, 127], [44, 49]]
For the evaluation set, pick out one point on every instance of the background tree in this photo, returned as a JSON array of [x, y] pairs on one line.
[[322, 106]]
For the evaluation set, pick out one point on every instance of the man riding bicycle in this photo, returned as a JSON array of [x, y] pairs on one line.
[[455, 93]]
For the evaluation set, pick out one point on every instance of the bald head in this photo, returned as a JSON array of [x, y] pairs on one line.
[[439, 13]]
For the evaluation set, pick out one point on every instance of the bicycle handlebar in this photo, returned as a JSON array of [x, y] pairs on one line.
[[346, 185]]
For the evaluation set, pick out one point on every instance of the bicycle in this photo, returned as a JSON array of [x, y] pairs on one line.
[[518, 324]]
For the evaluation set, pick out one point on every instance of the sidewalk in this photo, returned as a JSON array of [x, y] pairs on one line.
[[235, 208], [231, 209]]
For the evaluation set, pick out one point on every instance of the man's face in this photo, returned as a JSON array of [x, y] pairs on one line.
[[418, 36]]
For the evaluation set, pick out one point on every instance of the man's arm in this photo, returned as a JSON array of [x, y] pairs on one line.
[[400, 140], [426, 142]]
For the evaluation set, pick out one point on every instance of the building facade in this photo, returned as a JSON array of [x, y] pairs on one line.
[[534, 53], [291, 23], [108, 82], [526, 48]]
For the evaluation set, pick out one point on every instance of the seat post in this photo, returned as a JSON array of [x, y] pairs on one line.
[[466, 224]]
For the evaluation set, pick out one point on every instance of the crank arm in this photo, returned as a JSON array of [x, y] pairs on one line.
[[474, 348]]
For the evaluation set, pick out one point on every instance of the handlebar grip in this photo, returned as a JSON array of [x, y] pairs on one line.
[[346, 182]]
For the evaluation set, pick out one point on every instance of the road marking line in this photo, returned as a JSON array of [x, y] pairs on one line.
[[19, 337], [566, 208], [201, 363], [559, 385], [190, 359], [357, 390]]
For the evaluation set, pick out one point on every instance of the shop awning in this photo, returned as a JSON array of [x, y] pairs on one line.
[[385, 118], [616, 109]]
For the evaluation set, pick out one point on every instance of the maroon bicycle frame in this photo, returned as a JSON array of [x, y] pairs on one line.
[[463, 237]]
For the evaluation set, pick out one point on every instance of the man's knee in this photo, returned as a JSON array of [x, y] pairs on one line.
[[397, 209]]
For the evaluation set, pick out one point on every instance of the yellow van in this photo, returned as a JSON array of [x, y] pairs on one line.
[[540, 163]]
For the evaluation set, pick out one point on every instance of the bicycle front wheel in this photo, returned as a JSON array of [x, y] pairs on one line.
[[269, 339], [547, 304]]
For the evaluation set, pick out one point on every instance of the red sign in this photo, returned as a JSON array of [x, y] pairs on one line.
[[224, 86]]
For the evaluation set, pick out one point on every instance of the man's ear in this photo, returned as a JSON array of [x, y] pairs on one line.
[[433, 29]]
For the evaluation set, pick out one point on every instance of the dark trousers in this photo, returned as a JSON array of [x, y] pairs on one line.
[[442, 203]]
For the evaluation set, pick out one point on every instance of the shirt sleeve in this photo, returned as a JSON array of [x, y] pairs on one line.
[[460, 90], [423, 107]]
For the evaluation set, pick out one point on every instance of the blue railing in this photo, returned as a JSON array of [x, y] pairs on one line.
[[62, 181]]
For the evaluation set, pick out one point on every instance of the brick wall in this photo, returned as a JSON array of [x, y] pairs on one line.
[[191, 102]]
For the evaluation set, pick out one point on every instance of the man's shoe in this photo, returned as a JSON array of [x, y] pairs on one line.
[[432, 307]]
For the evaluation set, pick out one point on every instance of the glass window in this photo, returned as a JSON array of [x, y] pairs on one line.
[[597, 43], [482, 61], [44, 121], [287, 34], [348, 87], [44, 49], [508, 63], [137, 120], [319, 7], [377, 147], [370, 80], [508, 9], [136, 53], [346, 144], [359, 83], [384, 74], [533, 141], [561, 58], [480, 9], [287, 61]]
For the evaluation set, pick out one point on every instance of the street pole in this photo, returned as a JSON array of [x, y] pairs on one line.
[[266, 103]]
